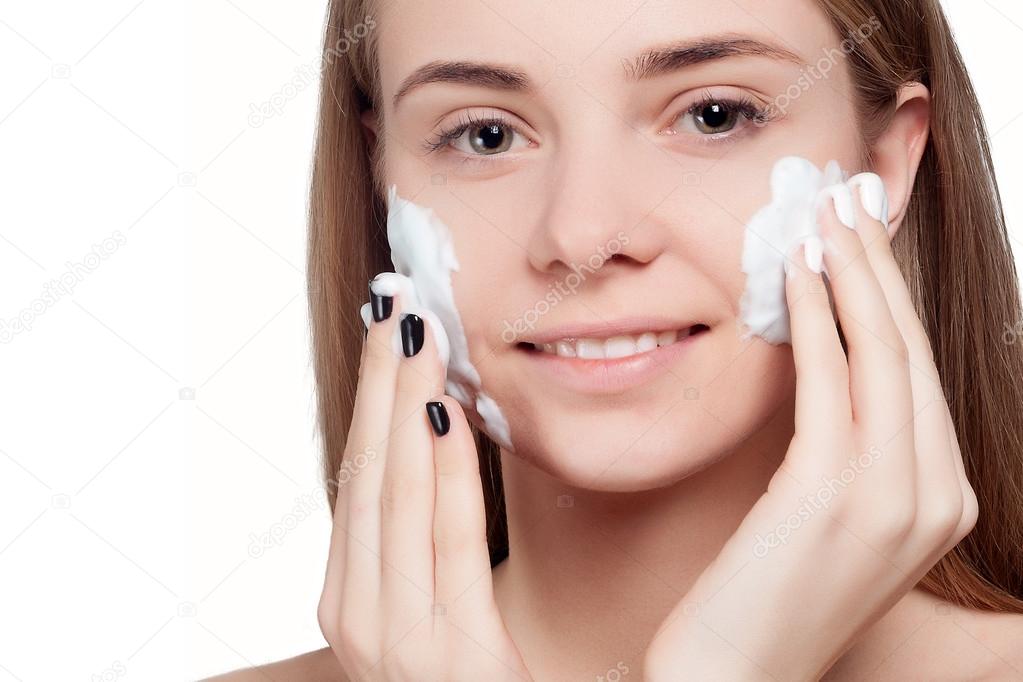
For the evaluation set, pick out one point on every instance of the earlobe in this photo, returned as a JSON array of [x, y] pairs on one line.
[[897, 153]]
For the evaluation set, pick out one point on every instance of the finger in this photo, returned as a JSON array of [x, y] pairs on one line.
[[939, 486], [971, 508], [353, 562], [869, 201], [407, 497], [878, 372], [459, 523], [822, 376]]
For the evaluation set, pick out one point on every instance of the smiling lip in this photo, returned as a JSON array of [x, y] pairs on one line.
[[603, 330], [609, 375]]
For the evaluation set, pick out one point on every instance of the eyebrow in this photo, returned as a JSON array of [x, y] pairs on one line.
[[649, 64], [680, 55]]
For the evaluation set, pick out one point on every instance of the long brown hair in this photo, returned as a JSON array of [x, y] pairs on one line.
[[953, 249]]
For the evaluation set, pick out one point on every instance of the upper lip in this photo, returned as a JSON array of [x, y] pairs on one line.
[[605, 329]]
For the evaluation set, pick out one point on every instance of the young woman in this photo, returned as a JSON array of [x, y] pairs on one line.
[[848, 506]]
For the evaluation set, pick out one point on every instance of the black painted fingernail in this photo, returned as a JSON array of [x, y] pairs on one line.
[[411, 334], [438, 417], [381, 304]]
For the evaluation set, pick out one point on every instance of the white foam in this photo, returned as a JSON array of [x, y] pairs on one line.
[[423, 255], [798, 187]]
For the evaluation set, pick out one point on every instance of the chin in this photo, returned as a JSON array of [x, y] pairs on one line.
[[632, 449]]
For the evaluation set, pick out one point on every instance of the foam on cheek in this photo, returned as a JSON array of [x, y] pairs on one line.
[[798, 187], [423, 255]]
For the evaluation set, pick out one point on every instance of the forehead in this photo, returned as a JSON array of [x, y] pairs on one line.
[[587, 38]]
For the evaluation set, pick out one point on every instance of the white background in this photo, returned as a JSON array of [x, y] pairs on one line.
[[158, 415]]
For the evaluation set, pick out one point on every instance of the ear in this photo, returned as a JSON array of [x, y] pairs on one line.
[[898, 151], [369, 121]]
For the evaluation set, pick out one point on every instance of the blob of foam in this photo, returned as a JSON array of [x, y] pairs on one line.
[[423, 255], [798, 188]]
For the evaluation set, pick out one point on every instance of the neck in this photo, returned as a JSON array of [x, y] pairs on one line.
[[595, 573]]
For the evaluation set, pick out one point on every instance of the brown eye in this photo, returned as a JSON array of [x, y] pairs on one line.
[[492, 138], [476, 136], [714, 117]]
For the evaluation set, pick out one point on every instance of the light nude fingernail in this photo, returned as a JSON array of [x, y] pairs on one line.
[[842, 197], [872, 195], [813, 252]]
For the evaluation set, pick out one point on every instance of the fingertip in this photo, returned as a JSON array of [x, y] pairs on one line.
[[836, 202], [437, 413], [453, 409], [872, 196], [813, 253], [454, 446], [795, 261]]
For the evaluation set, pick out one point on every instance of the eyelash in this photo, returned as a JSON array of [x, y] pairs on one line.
[[465, 122], [744, 105]]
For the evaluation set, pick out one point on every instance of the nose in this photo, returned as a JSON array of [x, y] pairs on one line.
[[597, 212]]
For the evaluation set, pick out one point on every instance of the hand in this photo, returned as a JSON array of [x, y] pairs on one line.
[[871, 493], [408, 592]]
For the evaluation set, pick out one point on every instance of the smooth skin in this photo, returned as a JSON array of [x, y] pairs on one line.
[[410, 532], [408, 592], [909, 504], [665, 494]]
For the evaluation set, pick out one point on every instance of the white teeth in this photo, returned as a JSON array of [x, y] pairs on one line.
[[589, 348], [619, 347], [614, 347], [647, 341]]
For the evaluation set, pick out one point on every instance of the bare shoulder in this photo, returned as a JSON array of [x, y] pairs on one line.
[[926, 637], [1000, 637], [956, 643], [315, 666]]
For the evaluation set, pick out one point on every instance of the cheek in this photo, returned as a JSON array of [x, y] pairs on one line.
[[707, 231]]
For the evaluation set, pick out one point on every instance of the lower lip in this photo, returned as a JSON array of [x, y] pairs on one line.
[[611, 375]]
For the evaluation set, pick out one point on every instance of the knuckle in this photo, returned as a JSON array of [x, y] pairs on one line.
[[401, 489], [943, 518], [898, 521], [970, 512], [379, 356], [351, 642], [327, 617], [811, 297]]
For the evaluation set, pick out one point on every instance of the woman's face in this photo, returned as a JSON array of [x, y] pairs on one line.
[[598, 199]]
